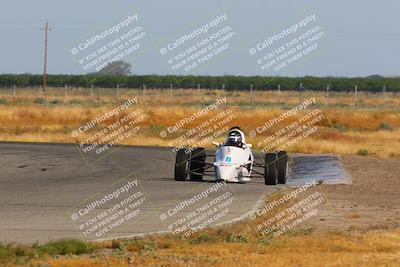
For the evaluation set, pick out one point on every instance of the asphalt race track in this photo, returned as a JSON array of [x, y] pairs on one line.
[[41, 185]]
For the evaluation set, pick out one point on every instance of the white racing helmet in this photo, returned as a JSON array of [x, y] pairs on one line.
[[235, 137]]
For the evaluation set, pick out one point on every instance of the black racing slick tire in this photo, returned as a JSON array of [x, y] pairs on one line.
[[282, 165], [181, 165], [197, 164], [270, 169]]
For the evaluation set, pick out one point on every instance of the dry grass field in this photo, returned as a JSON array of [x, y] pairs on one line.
[[370, 125], [377, 248]]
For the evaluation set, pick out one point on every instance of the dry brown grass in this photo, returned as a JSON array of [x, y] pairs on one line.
[[374, 126], [367, 249]]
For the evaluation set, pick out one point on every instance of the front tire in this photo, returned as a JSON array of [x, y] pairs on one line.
[[181, 165], [282, 165], [270, 169], [197, 164]]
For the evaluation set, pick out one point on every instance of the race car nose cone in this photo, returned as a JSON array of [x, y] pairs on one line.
[[226, 173]]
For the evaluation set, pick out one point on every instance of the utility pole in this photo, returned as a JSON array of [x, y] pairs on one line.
[[46, 30], [327, 95], [251, 94], [355, 96], [279, 94]]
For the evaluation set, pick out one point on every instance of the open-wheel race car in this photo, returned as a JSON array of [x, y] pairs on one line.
[[233, 161]]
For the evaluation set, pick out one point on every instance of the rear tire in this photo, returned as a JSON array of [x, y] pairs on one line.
[[270, 169], [282, 165], [181, 165], [197, 163]]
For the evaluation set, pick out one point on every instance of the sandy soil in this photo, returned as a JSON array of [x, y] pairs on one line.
[[372, 201]]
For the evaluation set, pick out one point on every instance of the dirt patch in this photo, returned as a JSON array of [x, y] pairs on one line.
[[372, 201]]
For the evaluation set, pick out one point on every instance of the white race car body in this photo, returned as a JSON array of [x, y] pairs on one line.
[[233, 162]]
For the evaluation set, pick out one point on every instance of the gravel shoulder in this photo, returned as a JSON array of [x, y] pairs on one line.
[[372, 201]]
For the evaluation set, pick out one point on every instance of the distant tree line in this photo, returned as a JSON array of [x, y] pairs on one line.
[[371, 83]]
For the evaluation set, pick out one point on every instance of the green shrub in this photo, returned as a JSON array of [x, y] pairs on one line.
[[55, 101], [115, 244], [65, 247], [362, 152], [3, 252], [264, 241], [236, 238], [12, 250], [39, 101], [22, 253], [3, 101], [138, 245], [150, 247], [385, 126], [203, 237], [21, 250], [75, 102]]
